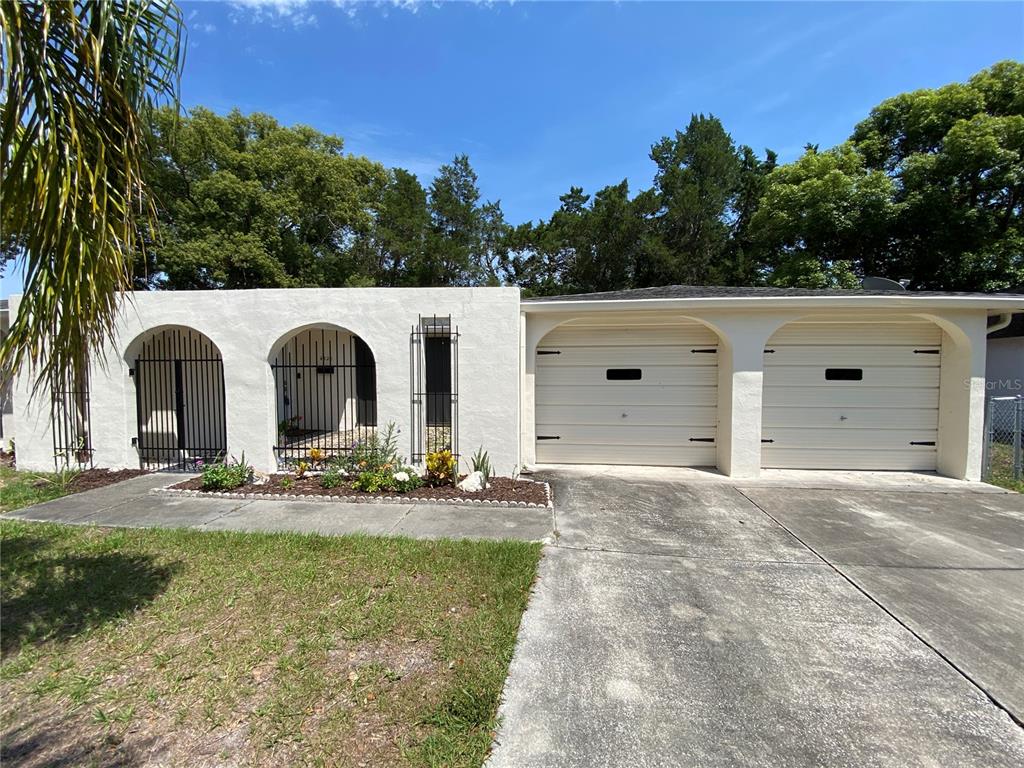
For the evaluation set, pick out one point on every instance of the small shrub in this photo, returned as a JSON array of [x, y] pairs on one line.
[[225, 476], [332, 478], [440, 468], [402, 481], [301, 470], [407, 480], [287, 483], [377, 453], [481, 462]]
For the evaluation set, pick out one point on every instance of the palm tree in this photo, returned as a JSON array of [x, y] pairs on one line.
[[78, 78]]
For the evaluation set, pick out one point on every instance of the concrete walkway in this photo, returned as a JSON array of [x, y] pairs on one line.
[[684, 620], [133, 504]]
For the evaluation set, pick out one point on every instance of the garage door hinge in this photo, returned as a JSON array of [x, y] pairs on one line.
[[769, 351], [702, 439], [704, 351], [549, 437], [922, 442], [926, 351], [766, 440], [548, 352]]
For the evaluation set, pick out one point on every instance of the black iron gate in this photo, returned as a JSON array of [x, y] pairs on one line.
[[180, 401], [434, 374], [70, 424], [325, 381]]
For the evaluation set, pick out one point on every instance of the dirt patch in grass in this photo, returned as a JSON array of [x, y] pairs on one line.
[[88, 479], [149, 647], [499, 489]]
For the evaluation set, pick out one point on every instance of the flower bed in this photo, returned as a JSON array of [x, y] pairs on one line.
[[501, 491]]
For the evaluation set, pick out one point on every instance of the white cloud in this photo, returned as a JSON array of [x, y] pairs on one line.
[[296, 12], [304, 12]]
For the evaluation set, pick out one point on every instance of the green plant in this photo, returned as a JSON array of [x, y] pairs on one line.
[[376, 453], [441, 467], [481, 462], [287, 483], [224, 476], [301, 470], [402, 481], [332, 478]]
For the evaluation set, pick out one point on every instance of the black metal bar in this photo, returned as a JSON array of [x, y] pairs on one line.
[[703, 351], [549, 352], [702, 439]]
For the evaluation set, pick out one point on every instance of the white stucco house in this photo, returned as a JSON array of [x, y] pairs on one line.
[[730, 378]]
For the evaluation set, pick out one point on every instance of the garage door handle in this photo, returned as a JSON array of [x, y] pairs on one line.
[[922, 442], [549, 437], [549, 352], [766, 440], [926, 351], [703, 351], [702, 439]]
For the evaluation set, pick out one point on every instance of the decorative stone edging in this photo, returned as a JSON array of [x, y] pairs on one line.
[[549, 504]]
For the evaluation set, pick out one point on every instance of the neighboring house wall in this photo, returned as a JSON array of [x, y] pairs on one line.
[[248, 327], [1004, 370]]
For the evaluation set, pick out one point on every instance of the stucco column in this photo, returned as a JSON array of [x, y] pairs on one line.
[[740, 384], [962, 393]]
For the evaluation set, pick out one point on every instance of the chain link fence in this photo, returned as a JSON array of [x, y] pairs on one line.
[[1004, 440]]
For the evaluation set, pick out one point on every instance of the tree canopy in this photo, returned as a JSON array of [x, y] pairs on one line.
[[928, 189]]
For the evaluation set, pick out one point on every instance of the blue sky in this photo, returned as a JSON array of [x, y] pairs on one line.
[[542, 96]]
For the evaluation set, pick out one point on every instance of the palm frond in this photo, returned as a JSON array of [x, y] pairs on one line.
[[79, 78]]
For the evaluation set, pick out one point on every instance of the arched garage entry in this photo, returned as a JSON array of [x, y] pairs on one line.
[[325, 381], [638, 389], [852, 394], [179, 399]]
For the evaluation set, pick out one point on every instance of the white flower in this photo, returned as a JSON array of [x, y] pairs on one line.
[[402, 477]]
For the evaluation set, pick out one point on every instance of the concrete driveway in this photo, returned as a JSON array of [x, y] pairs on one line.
[[803, 620]]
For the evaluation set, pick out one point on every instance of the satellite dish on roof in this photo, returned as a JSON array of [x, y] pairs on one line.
[[880, 284]]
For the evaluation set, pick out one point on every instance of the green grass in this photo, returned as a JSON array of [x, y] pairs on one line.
[[1001, 472], [23, 489], [255, 649]]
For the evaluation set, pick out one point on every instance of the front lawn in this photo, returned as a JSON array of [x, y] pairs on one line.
[[185, 647]]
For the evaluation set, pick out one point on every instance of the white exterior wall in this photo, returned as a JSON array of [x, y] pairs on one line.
[[743, 334], [247, 325]]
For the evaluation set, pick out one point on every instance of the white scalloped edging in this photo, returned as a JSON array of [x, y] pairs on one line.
[[549, 503]]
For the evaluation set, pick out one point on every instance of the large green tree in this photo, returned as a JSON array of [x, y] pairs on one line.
[[823, 219], [696, 179], [929, 190], [463, 231], [245, 202]]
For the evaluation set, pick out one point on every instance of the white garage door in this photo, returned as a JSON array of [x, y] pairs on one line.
[[852, 396], [627, 395]]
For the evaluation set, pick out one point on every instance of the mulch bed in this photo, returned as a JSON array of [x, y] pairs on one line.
[[88, 479], [501, 490]]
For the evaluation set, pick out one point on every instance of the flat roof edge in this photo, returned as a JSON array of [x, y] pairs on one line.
[[995, 302]]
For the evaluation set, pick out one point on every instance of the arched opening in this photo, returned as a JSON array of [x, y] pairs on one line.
[[325, 383], [852, 392], [179, 399], [627, 388]]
